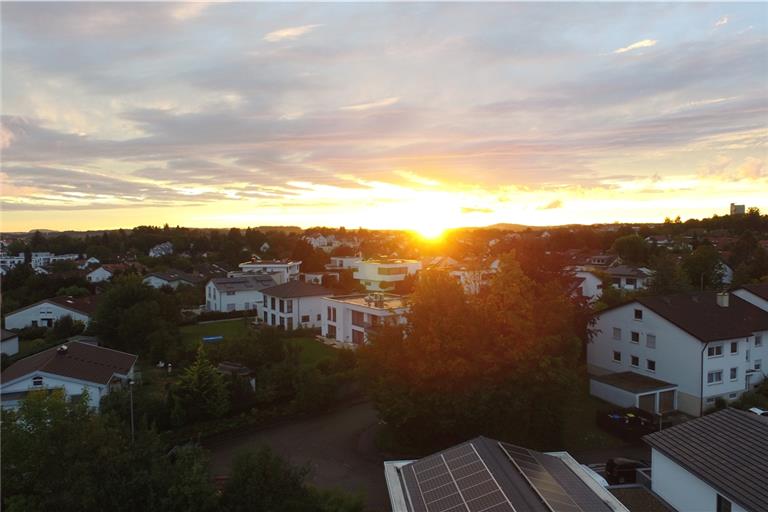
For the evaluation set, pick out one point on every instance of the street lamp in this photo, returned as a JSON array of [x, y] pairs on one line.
[[130, 393]]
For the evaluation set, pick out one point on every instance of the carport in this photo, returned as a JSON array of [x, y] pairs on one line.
[[630, 389]]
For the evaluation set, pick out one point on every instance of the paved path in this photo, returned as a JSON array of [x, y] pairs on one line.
[[338, 447]]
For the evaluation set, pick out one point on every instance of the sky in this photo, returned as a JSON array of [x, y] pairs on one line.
[[380, 115]]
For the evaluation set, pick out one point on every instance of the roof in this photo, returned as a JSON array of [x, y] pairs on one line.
[[699, 315], [296, 289], [7, 335], [373, 300], [244, 283], [270, 262], [84, 305], [633, 382], [727, 449], [626, 270], [176, 275], [81, 361], [485, 474], [761, 290]]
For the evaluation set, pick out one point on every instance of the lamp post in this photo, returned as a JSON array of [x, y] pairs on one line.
[[130, 393]]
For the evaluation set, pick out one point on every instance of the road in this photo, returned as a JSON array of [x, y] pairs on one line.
[[338, 448]]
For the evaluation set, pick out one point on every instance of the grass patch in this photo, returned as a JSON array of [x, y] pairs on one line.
[[193, 334], [580, 430], [29, 347], [312, 351]]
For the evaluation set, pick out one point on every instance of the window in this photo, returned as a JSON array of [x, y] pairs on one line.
[[635, 361], [616, 333], [734, 347], [358, 337], [305, 320], [331, 314], [230, 307], [282, 306], [230, 293], [733, 395], [715, 377], [650, 340], [734, 373], [715, 351], [273, 303], [358, 318], [758, 340], [638, 313], [319, 317], [650, 365], [631, 281], [37, 381], [331, 330], [392, 271], [617, 356], [289, 324], [635, 337], [723, 505], [758, 364]]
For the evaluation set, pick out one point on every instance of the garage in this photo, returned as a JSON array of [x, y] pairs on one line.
[[630, 389]]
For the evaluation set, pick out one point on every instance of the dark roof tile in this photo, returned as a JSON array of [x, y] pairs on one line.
[[296, 289]]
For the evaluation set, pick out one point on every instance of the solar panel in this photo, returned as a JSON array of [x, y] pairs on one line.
[[456, 480], [548, 489]]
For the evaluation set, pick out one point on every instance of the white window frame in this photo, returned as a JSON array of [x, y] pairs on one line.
[[713, 374], [648, 365], [730, 347], [616, 360], [731, 373], [634, 361], [714, 348], [648, 342], [631, 336], [617, 333]]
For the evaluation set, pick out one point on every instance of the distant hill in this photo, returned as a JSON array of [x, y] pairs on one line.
[[508, 227]]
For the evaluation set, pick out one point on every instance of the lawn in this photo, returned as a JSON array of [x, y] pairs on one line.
[[581, 430], [193, 334], [312, 351]]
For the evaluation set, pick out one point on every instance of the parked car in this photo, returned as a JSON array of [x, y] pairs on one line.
[[622, 471], [629, 424], [758, 411]]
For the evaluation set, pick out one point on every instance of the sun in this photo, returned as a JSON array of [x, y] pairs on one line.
[[431, 233]]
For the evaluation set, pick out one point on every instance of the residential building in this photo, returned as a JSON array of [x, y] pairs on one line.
[[714, 463], [588, 284], [382, 274], [106, 272], [343, 263], [709, 345], [285, 270], [163, 249], [237, 293], [172, 278], [264, 247], [43, 259], [46, 312], [626, 277], [7, 262], [294, 304], [74, 368], [323, 278], [87, 262], [488, 475], [738, 209], [756, 294], [350, 318], [10, 343]]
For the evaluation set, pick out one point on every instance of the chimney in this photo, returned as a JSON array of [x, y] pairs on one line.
[[62, 350], [723, 299]]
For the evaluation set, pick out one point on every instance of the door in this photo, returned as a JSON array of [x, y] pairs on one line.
[[666, 401], [647, 403]]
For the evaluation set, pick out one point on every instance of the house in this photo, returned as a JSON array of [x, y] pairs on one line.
[[283, 270], [46, 312], [43, 259], [7, 262], [382, 274], [237, 293], [163, 249], [343, 263], [627, 277], [323, 278], [72, 367], [705, 345], [294, 304], [264, 247], [350, 318], [172, 278], [88, 262], [588, 284], [756, 294], [105, 272], [716, 462], [488, 475], [10, 343], [726, 273]]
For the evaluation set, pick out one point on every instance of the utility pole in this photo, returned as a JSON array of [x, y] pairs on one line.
[[130, 386]]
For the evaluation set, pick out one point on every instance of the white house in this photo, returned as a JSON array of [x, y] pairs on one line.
[[264, 247], [105, 272], [286, 270], [10, 343], [163, 249], [74, 368], [172, 278], [7, 262], [709, 345], [382, 274], [88, 262], [294, 304], [626, 277], [237, 293], [323, 278], [46, 312], [343, 263], [42, 259], [488, 475], [350, 318], [756, 294], [588, 284], [713, 463]]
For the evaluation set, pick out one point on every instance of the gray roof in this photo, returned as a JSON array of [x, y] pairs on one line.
[[297, 289], [727, 449], [484, 474], [256, 282], [627, 270], [633, 382]]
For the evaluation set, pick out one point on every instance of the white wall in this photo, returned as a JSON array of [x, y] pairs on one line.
[[592, 287], [301, 307], [611, 394], [10, 346], [237, 301], [99, 275], [40, 313], [752, 298], [343, 323], [681, 489], [70, 386]]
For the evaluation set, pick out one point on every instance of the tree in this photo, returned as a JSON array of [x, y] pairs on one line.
[[668, 276], [63, 328], [201, 391], [703, 268], [632, 249]]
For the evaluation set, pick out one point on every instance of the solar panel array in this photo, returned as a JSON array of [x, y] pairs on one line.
[[456, 480], [550, 491]]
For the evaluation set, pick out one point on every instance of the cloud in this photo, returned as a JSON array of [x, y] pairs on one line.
[[374, 104], [289, 34], [722, 21], [476, 210], [645, 43], [557, 203], [752, 168]]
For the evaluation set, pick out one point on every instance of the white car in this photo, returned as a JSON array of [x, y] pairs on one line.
[[758, 411]]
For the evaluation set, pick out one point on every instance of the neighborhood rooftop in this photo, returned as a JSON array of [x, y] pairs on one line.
[[761, 289], [243, 283], [373, 300], [80, 361], [633, 382], [727, 449], [86, 305], [296, 289]]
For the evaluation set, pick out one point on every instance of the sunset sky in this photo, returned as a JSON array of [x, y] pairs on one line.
[[397, 115]]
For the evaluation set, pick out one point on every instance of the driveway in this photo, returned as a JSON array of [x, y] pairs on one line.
[[338, 448]]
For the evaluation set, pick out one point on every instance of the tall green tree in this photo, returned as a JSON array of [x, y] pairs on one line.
[[201, 392], [632, 249], [668, 276], [703, 268]]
